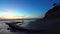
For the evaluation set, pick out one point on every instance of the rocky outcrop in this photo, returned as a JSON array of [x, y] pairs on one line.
[[53, 13]]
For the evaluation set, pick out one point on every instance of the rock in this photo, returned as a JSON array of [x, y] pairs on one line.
[[53, 13]]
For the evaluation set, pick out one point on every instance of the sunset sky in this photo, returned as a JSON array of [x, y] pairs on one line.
[[25, 8]]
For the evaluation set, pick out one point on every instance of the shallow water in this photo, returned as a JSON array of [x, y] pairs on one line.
[[3, 28]]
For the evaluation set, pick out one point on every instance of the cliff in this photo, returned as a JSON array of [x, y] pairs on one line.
[[53, 13]]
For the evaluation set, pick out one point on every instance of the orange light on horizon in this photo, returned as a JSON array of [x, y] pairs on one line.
[[12, 17]]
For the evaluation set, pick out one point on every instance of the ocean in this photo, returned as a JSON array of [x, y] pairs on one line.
[[3, 28]]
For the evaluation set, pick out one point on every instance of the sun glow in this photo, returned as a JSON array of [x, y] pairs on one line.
[[10, 15], [13, 17]]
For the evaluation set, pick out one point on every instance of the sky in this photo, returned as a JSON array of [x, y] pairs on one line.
[[25, 8]]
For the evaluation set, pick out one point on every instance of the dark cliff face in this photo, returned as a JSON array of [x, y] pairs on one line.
[[53, 13]]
